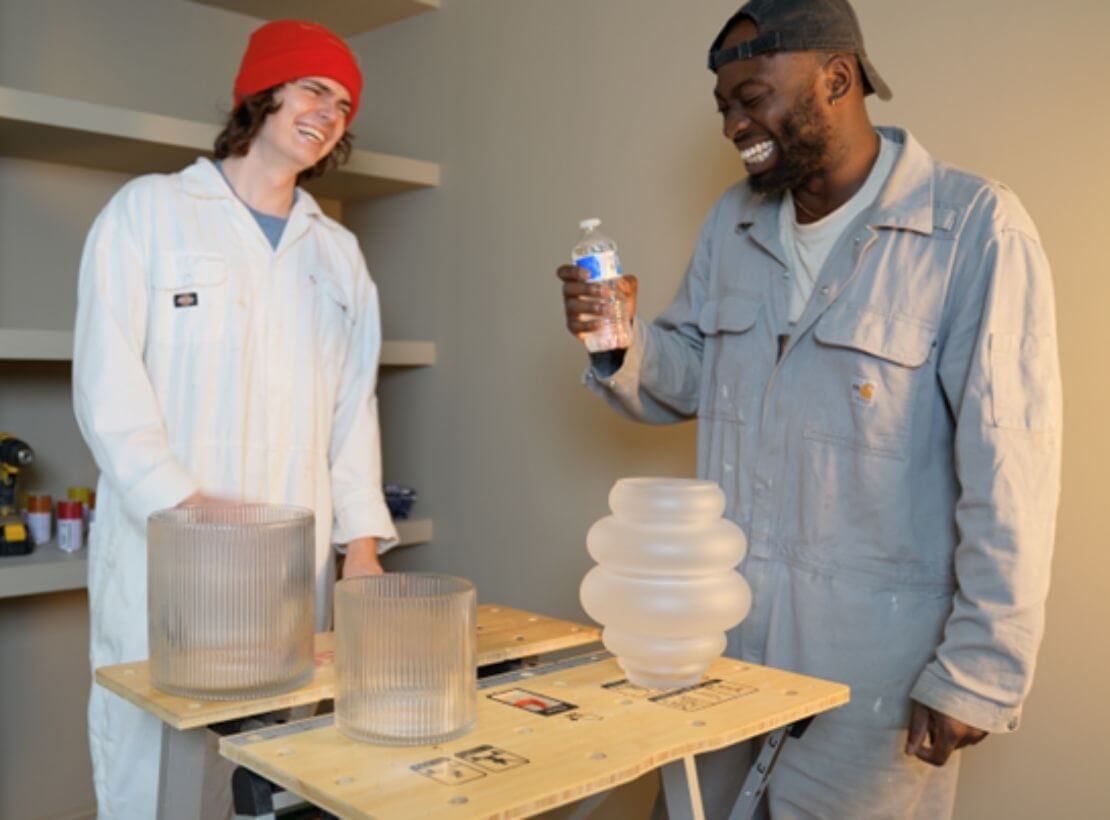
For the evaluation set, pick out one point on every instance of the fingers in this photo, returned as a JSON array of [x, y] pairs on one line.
[[975, 736], [946, 734], [627, 285], [588, 304], [577, 324], [590, 307], [967, 735], [199, 499], [576, 282], [942, 740], [572, 273], [919, 725]]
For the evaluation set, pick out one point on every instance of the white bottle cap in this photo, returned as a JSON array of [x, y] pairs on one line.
[[589, 224]]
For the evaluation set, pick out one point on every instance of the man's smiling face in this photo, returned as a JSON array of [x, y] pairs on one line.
[[773, 115], [310, 120]]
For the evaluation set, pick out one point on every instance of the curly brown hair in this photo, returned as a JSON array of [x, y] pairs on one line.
[[244, 123]]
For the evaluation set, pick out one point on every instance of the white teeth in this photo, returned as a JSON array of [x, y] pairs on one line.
[[311, 133], [760, 152]]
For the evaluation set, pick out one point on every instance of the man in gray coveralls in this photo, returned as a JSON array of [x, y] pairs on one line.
[[867, 339]]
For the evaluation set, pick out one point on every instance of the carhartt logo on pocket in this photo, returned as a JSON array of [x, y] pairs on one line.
[[182, 300], [863, 392]]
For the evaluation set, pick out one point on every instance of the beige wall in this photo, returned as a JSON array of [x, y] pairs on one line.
[[542, 112]]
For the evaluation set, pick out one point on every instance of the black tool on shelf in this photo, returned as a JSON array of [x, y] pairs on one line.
[[14, 456]]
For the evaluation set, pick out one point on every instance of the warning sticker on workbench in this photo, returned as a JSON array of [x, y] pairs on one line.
[[492, 759], [532, 702], [694, 698], [448, 771]]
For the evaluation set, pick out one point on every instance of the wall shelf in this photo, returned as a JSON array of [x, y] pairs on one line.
[[414, 531], [408, 354], [57, 345], [345, 19], [36, 345], [48, 569], [73, 132]]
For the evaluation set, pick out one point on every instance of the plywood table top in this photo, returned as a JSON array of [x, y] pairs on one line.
[[504, 634], [543, 739]]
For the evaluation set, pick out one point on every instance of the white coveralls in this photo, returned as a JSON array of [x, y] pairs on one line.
[[206, 360], [896, 468]]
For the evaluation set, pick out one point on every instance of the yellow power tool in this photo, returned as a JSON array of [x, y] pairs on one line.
[[14, 456]]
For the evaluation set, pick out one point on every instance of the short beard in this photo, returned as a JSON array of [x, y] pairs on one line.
[[803, 146]]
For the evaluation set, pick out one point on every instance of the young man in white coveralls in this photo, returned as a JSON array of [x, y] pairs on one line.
[[226, 349]]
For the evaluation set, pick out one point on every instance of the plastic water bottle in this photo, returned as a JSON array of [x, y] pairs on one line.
[[597, 253]]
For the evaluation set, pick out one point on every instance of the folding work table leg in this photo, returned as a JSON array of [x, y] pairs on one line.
[[683, 794], [755, 784], [181, 774], [681, 790]]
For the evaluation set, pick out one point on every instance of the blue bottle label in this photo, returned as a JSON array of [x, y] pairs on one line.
[[601, 266]]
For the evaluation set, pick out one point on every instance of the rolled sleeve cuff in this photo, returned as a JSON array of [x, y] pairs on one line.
[[164, 487], [364, 517], [939, 694]]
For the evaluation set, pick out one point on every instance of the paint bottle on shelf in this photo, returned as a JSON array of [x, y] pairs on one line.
[[71, 526], [597, 253], [40, 518]]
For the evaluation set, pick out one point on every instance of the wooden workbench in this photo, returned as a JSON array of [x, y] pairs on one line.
[[503, 634], [544, 738]]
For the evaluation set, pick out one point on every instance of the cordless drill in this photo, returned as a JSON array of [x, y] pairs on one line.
[[14, 455]]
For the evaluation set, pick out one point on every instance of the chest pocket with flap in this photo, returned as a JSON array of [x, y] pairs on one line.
[[729, 389], [868, 377], [189, 293], [333, 317]]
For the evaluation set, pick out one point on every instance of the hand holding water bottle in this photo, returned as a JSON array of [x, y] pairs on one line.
[[600, 302]]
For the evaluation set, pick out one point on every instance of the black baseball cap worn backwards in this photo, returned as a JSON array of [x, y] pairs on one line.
[[799, 25]]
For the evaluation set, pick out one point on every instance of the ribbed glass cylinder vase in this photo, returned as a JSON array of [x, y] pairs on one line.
[[231, 599], [665, 588], [405, 658]]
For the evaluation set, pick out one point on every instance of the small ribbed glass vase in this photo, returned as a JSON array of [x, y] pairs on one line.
[[405, 658], [231, 599]]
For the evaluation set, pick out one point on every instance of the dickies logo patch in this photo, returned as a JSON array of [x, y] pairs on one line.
[[864, 392], [184, 300]]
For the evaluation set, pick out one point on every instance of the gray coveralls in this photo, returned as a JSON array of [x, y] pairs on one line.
[[894, 464]]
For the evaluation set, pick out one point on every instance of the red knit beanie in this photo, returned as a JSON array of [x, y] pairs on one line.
[[285, 50]]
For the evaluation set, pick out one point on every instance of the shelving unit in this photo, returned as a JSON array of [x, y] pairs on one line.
[[48, 569], [57, 345], [73, 132], [345, 19]]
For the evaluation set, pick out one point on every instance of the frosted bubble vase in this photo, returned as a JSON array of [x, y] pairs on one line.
[[406, 658], [665, 588], [231, 597]]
